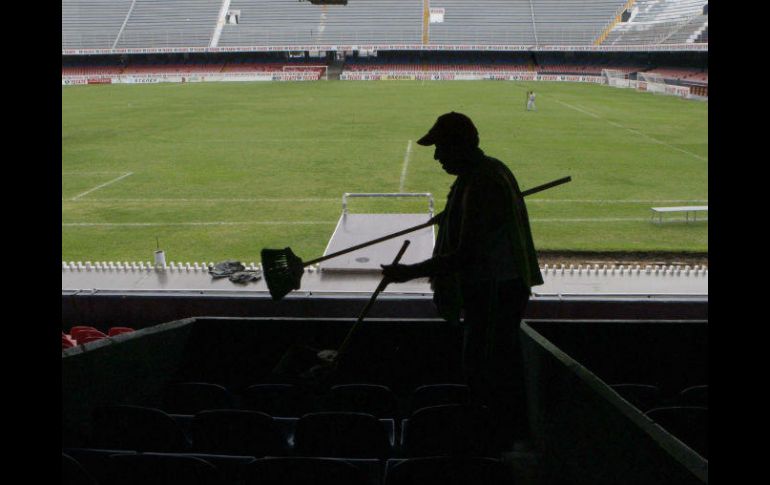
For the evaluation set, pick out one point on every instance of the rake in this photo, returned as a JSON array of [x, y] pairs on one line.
[[309, 363], [283, 270]]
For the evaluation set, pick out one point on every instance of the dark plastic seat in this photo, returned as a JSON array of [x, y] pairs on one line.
[[439, 394], [695, 396], [341, 435], [372, 399], [237, 432], [303, 471], [450, 429], [73, 473], [689, 424], [278, 400], [643, 396], [194, 397], [448, 471], [138, 428], [158, 469]]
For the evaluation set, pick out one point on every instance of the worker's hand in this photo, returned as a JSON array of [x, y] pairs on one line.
[[398, 272], [327, 355]]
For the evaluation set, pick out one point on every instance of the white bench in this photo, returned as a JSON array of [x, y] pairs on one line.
[[659, 211]]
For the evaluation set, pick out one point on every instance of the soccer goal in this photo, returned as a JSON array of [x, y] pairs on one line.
[[615, 78], [656, 83]]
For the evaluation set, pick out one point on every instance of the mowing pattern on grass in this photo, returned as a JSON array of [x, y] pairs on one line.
[[221, 170]]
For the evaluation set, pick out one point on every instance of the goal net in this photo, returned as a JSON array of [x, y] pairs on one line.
[[656, 83], [615, 78]]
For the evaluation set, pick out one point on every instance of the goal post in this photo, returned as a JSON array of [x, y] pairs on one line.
[[653, 82], [615, 78]]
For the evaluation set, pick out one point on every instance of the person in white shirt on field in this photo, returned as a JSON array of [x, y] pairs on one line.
[[531, 101]]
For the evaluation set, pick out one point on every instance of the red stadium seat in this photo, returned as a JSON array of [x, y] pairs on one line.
[[90, 338], [118, 330], [80, 334]]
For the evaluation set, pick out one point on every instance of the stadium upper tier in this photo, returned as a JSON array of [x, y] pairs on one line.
[[662, 22], [262, 24]]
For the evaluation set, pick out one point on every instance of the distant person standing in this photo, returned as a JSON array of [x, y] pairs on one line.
[[531, 101]]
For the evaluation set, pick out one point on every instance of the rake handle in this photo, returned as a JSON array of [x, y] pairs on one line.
[[383, 283], [545, 186], [433, 220]]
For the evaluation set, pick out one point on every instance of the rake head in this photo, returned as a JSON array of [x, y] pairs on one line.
[[282, 270]]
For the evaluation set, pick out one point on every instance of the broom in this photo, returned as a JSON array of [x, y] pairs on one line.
[[283, 270], [309, 363]]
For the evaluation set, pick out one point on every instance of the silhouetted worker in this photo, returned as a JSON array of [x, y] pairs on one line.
[[484, 263]]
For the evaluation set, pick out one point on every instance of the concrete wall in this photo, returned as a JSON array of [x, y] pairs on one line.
[[586, 432]]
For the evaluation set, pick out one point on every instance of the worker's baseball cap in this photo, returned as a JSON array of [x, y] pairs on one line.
[[452, 129]]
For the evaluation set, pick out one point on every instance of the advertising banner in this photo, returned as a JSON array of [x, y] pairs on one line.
[[436, 15], [412, 47]]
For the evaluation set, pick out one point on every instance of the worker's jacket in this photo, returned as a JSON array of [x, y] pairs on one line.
[[484, 234]]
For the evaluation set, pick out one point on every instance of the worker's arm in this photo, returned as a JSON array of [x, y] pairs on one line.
[[478, 202]]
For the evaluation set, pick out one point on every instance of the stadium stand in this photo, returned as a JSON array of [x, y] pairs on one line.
[[92, 24], [277, 22], [661, 22], [233, 441], [572, 22], [170, 23], [139, 24], [194, 399]]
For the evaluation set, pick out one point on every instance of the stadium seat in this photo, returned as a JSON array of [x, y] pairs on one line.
[[73, 473], [139, 428], [238, 432], [450, 429], [66, 342], [341, 435], [78, 331], [438, 394], [194, 397], [96, 461], [372, 399], [159, 469], [303, 471], [695, 396], [643, 396], [119, 330], [689, 424], [447, 471], [89, 337], [278, 400]]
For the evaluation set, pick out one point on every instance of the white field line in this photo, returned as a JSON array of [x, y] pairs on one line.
[[300, 223], [337, 199], [186, 200], [406, 164], [91, 172], [591, 219], [102, 185], [618, 125], [211, 223]]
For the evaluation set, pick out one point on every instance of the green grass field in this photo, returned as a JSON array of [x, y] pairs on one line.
[[220, 170]]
